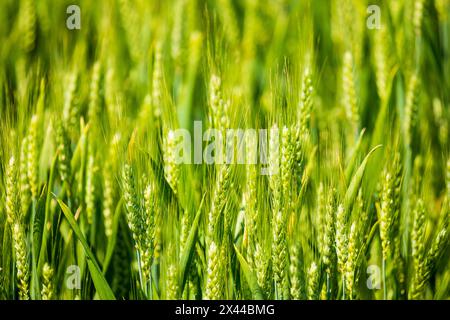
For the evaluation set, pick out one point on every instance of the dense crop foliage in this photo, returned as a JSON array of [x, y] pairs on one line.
[[352, 202]]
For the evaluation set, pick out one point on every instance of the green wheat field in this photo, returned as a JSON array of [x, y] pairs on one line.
[[352, 96]]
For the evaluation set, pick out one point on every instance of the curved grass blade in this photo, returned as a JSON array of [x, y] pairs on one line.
[[250, 276], [354, 157], [101, 285], [43, 248], [355, 183], [189, 250]]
